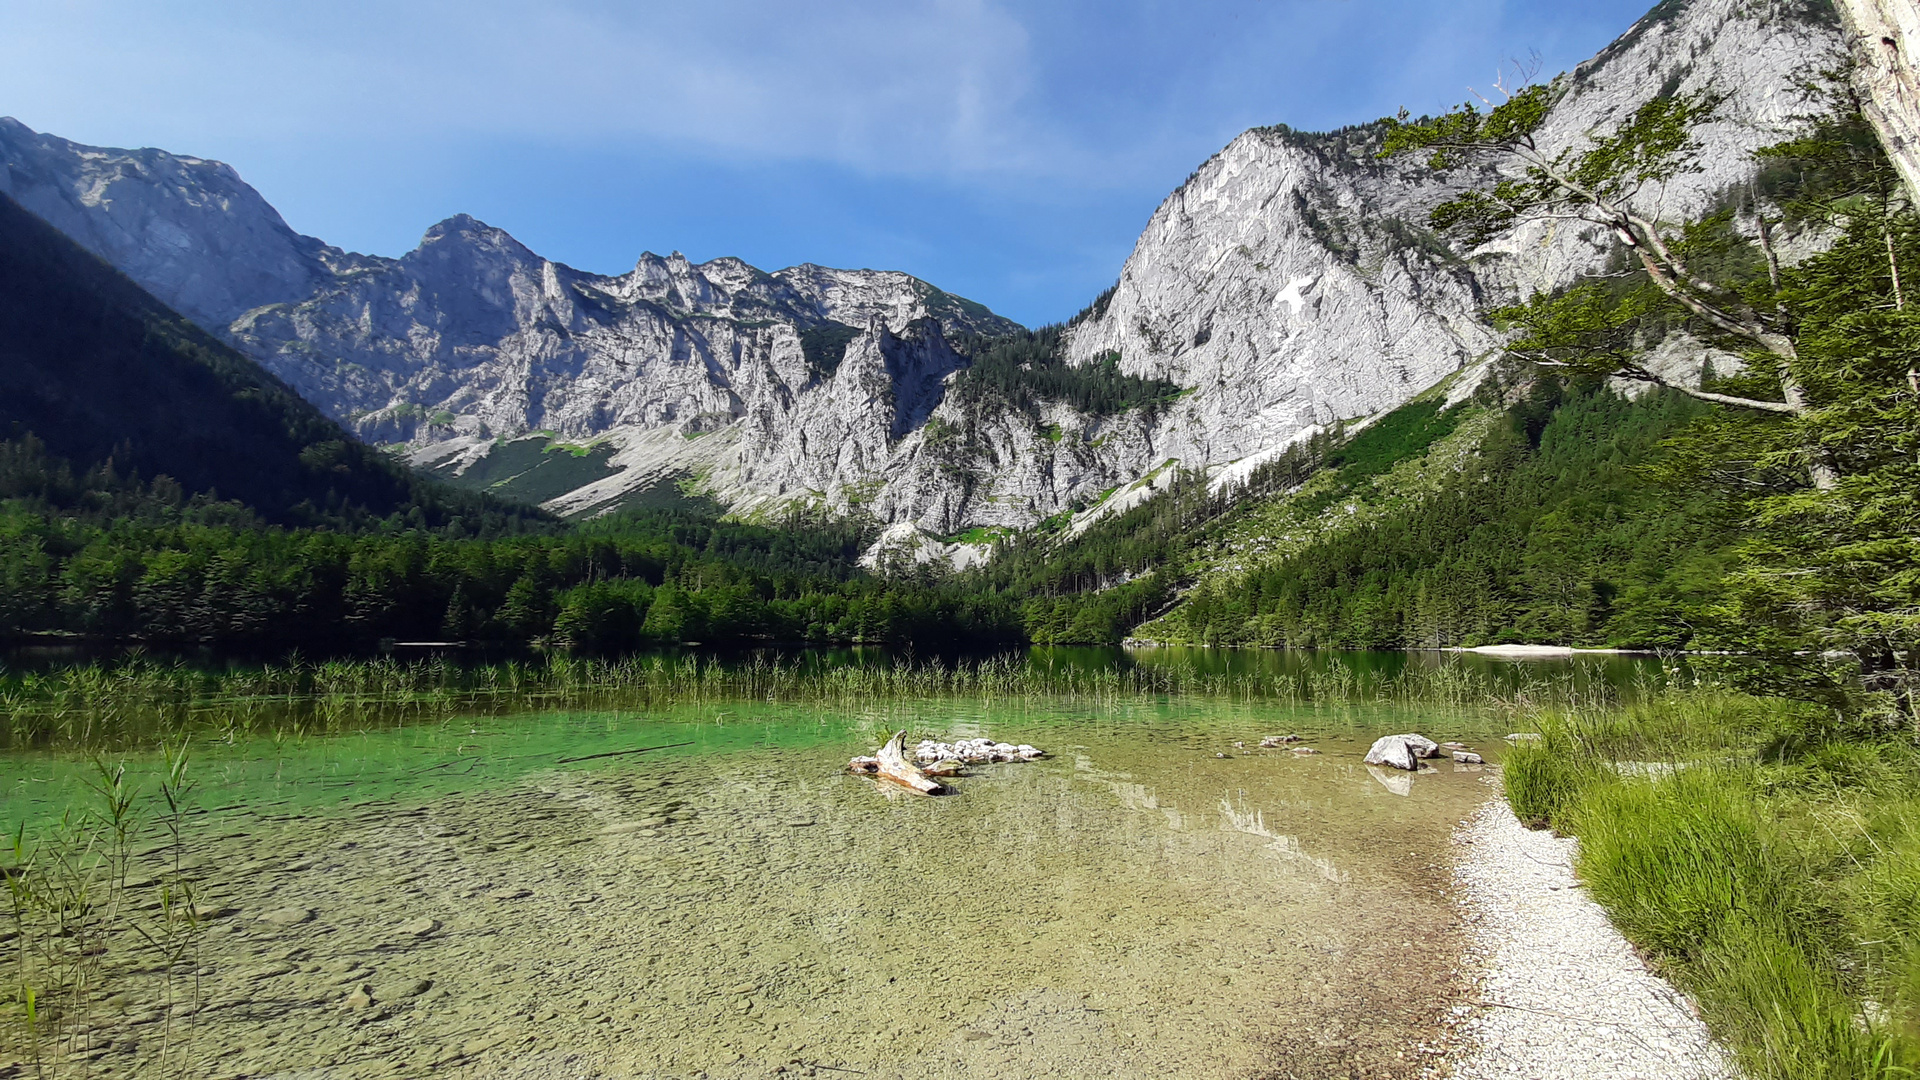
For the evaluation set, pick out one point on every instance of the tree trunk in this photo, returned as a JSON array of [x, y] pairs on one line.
[[1885, 38], [894, 766]]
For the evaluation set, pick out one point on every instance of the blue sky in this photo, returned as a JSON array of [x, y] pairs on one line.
[[1010, 152]]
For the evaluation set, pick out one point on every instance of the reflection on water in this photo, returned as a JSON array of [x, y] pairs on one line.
[[1254, 823], [1151, 901], [1584, 671]]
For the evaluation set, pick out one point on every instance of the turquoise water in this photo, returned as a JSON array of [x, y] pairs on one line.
[[1151, 900]]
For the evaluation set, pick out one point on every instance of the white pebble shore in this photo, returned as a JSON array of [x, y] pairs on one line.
[[1557, 993]]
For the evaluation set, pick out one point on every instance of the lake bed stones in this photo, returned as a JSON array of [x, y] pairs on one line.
[[975, 751], [286, 916]]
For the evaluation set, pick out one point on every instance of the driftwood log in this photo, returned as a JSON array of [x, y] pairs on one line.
[[891, 764]]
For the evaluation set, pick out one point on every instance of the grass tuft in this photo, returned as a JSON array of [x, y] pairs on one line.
[[1764, 860]]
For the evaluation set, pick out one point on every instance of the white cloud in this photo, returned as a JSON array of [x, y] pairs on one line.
[[1050, 98]]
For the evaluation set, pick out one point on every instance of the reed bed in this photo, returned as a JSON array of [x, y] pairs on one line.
[[140, 700], [100, 919]]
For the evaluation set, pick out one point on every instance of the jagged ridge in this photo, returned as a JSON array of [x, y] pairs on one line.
[[1288, 284]]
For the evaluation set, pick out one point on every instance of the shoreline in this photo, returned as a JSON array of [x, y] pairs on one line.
[[1510, 652], [1552, 989]]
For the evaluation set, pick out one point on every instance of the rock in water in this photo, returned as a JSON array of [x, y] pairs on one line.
[[1467, 757], [1422, 746], [287, 916], [974, 752], [1401, 751], [404, 989]]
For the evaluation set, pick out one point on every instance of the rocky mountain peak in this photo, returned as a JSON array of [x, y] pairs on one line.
[[1292, 282], [187, 229]]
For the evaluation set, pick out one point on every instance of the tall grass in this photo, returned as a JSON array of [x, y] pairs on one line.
[[96, 705], [1768, 862]]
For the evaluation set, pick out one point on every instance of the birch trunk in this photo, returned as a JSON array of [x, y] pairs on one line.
[[1885, 38]]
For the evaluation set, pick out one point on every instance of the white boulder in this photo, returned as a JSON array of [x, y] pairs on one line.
[[1402, 751]]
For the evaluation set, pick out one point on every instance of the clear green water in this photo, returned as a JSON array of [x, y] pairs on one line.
[[1137, 905]]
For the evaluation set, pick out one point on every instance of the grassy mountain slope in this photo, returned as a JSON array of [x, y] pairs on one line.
[[98, 369], [1525, 514]]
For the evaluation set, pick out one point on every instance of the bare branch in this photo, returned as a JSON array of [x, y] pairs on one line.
[[1640, 374]]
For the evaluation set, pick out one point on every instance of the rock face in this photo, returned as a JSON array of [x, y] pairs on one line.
[[189, 231], [1288, 284], [1291, 280]]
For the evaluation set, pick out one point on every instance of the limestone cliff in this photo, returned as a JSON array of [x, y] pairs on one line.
[[1289, 283]]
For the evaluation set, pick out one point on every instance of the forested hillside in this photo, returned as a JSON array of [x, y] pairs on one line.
[[115, 558], [1545, 510], [1546, 528], [98, 369]]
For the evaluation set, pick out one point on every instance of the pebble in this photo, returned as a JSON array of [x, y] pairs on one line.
[[361, 998], [404, 989], [1574, 1001], [420, 927]]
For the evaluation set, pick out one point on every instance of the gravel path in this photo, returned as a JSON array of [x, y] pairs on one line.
[[1560, 994]]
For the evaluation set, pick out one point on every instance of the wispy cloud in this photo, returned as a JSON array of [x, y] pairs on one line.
[[1010, 148]]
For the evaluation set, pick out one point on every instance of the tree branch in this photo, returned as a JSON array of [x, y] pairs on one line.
[[1779, 407], [1773, 343], [1637, 373]]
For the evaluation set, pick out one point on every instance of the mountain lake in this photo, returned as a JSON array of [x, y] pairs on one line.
[[705, 891]]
